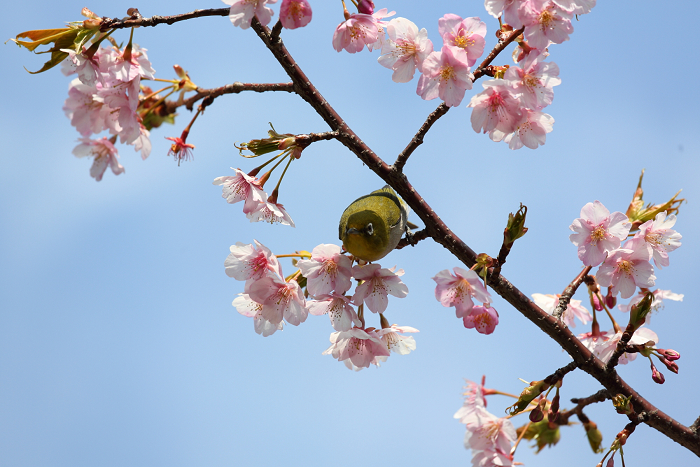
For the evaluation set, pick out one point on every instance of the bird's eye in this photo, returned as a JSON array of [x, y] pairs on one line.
[[369, 229]]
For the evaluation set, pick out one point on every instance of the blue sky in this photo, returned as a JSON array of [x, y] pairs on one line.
[[118, 342]]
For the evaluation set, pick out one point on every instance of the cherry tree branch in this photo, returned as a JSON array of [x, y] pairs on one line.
[[620, 348], [234, 88], [441, 234], [480, 70], [415, 238], [560, 373]]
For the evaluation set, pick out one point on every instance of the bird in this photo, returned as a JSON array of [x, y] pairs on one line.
[[373, 224]]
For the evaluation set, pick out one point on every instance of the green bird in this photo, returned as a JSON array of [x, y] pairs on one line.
[[373, 224]]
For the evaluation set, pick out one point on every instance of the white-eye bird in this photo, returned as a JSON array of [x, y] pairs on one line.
[[373, 224]]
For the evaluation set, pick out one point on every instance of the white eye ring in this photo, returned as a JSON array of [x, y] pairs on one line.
[[369, 229]]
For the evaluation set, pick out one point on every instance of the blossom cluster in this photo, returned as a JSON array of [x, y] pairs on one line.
[[510, 107], [623, 268], [459, 290], [105, 96], [271, 299], [490, 438], [293, 13], [257, 206]]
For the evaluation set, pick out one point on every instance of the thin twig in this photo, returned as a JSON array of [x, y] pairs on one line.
[[418, 138], [415, 238], [599, 396], [560, 373], [234, 88], [116, 23], [569, 292]]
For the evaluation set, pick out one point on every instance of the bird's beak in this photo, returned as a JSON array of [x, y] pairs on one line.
[[352, 230]]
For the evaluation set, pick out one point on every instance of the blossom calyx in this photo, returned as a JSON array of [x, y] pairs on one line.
[[529, 393], [543, 433], [623, 405]]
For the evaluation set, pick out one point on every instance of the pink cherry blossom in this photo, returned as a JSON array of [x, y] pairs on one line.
[[485, 431], [656, 304], [247, 307], [491, 458], [381, 28], [180, 149], [642, 336], [549, 303], [627, 268], [534, 81], [593, 340], [87, 68], [464, 35], [577, 7], [445, 76], [251, 262], [405, 50], [545, 21], [507, 9], [531, 130], [338, 308], [598, 232], [457, 290], [122, 99], [241, 187], [143, 143], [657, 233], [105, 155], [483, 318], [295, 13], [378, 284], [495, 108], [86, 114], [280, 299], [395, 340], [327, 270], [271, 213], [356, 32], [357, 348], [243, 11]]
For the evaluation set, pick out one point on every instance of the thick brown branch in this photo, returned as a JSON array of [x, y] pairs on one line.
[[569, 292], [444, 236], [233, 88], [418, 138], [137, 20]]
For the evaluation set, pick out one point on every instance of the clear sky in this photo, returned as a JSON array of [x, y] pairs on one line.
[[118, 342]]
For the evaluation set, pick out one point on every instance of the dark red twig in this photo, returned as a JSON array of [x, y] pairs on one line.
[[418, 138], [234, 88]]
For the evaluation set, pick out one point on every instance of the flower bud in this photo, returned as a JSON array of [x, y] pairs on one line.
[[595, 302], [529, 393], [623, 405], [515, 228], [638, 214], [672, 366], [640, 310], [610, 299], [536, 415], [595, 437], [366, 7], [669, 354], [657, 376], [611, 462], [553, 412]]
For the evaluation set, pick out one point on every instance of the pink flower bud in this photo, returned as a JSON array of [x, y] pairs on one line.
[[595, 303], [610, 462], [670, 354], [610, 299], [536, 415], [656, 375], [366, 7], [672, 366]]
